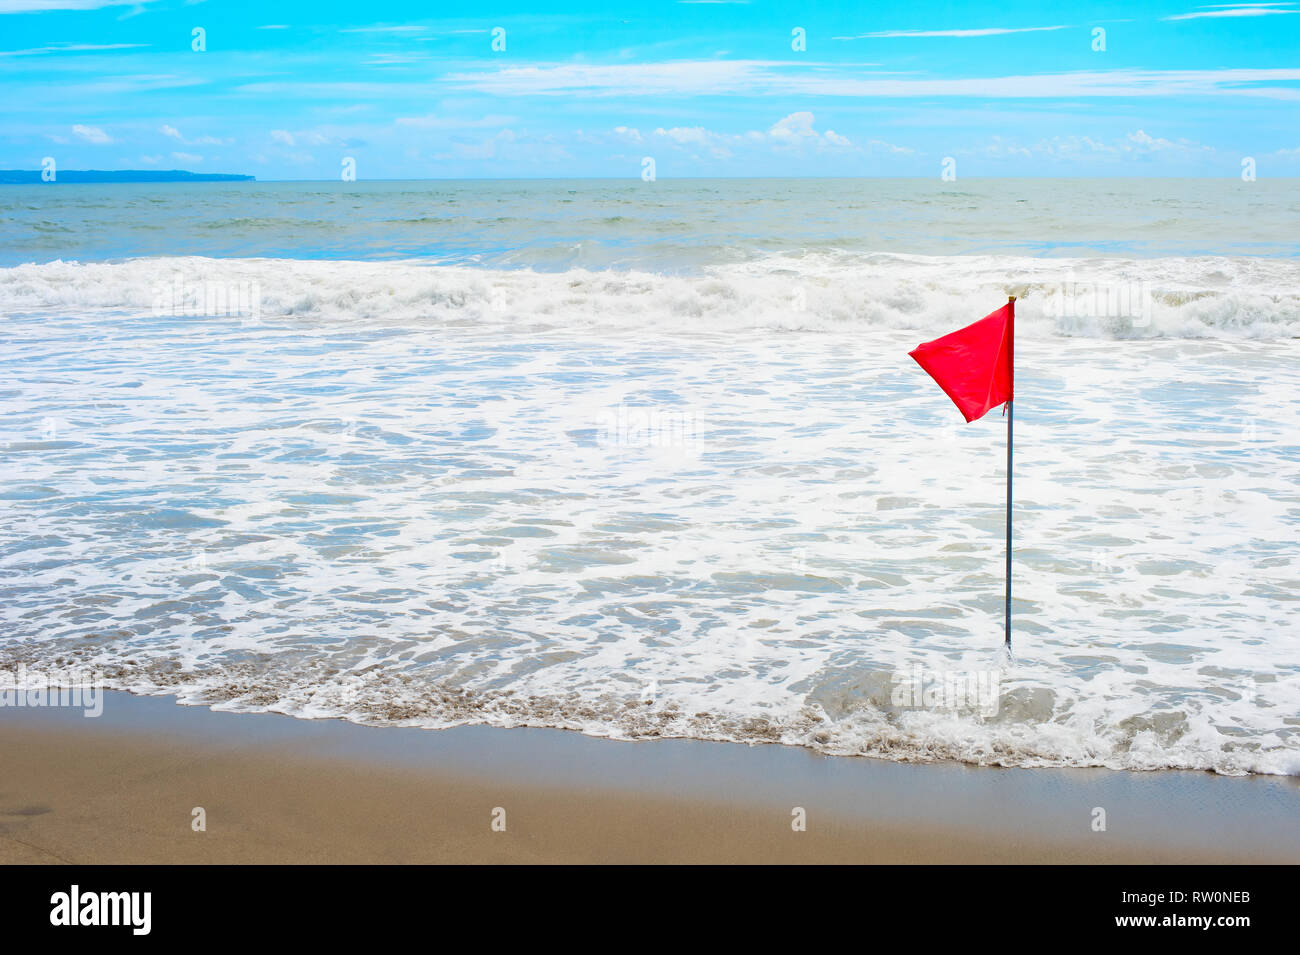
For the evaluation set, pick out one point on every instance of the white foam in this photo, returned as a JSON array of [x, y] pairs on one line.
[[397, 496], [1206, 297]]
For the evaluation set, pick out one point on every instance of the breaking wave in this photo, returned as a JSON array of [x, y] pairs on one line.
[[827, 292], [402, 493]]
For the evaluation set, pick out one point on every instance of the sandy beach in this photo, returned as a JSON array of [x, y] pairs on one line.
[[123, 789]]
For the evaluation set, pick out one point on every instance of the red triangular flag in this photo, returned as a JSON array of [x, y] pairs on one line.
[[973, 365]]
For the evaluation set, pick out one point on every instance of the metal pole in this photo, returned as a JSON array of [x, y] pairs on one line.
[[1011, 339]]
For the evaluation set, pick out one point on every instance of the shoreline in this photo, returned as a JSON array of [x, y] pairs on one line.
[[122, 789]]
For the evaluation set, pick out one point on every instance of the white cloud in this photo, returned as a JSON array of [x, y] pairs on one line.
[[797, 129], [175, 133], [137, 83], [92, 134], [187, 157], [794, 126], [395, 59], [998, 148], [487, 149], [283, 136], [687, 135], [794, 132], [1136, 144], [618, 79], [43, 6], [879, 144], [1140, 141], [507, 146], [1234, 10], [406, 28], [758, 77], [433, 121], [984, 31], [72, 48]]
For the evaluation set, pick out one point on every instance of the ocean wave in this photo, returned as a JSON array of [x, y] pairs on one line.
[[1206, 297], [637, 505], [1031, 728]]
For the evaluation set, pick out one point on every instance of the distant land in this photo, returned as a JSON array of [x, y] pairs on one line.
[[33, 176]]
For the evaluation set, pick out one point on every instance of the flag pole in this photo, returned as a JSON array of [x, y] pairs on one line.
[[1011, 365]]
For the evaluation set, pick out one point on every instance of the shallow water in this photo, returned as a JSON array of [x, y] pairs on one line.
[[717, 502]]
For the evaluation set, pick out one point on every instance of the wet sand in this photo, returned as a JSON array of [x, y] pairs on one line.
[[123, 788]]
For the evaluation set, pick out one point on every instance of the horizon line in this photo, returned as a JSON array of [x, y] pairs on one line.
[[246, 178]]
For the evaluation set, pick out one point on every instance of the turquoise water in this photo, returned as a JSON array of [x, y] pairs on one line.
[[651, 459], [676, 225]]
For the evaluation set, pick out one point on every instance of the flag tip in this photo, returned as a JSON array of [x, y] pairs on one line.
[[1011, 298]]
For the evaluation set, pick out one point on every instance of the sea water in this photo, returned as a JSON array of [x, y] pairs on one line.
[[651, 459]]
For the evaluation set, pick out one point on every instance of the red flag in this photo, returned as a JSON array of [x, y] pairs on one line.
[[973, 365]]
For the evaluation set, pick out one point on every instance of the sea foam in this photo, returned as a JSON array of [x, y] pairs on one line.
[[1109, 298], [723, 505]]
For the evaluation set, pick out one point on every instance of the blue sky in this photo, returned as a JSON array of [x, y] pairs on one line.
[[706, 88]]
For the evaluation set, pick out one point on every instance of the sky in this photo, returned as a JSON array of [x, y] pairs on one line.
[[291, 90]]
